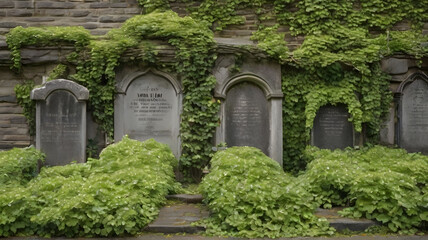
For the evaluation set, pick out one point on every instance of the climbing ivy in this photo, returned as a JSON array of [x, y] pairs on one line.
[[95, 71], [60, 71], [314, 16], [272, 42], [154, 5], [22, 92]]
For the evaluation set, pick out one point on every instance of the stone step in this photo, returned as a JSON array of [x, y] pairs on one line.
[[341, 223], [177, 218], [186, 198]]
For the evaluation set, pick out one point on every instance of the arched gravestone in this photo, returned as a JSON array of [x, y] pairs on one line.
[[247, 117], [413, 114], [61, 121], [148, 106], [251, 114], [331, 129]]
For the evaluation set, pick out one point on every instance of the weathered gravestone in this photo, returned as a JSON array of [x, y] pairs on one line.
[[61, 121], [148, 106], [247, 117], [413, 114], [331, 129], [250, 113]]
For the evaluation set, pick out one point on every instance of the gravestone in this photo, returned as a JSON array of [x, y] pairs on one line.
[[413, 117], [247, 117], [148, 106], [61, 121], [331, 129]]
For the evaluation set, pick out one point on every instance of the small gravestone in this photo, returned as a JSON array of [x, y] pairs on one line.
[[332, 129], [247, 117], [61, 121], [147, 106], [413, 115]]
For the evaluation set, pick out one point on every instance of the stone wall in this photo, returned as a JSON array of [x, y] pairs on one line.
[[99, 16], [37, 63], [96, 15]]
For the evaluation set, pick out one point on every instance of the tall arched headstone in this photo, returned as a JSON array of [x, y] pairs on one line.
[[247, 117], [148, 106], [331, 129], [61, 121], [413, 114], [251, 114]]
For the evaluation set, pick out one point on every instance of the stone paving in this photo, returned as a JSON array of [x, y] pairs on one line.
[[177, 218]]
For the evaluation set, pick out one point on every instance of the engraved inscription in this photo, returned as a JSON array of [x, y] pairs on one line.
[[331, 128], [331, 122], [418, 111], [247, 119], [149, 105], [414, 117], [151, 111]]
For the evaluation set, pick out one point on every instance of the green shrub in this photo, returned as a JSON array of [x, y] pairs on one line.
[[249, 195], [118, 194], [388, 185], [19, 165]]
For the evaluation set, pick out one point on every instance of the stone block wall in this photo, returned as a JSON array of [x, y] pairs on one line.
[[99, 16], [96, 15]]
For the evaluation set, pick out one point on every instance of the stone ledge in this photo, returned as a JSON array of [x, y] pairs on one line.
[[341, 223], [178, 218], [6, 145], [186, 198], [55, 5], [7, 4], [174, 229]]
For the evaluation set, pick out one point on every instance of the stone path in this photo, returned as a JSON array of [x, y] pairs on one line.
[[178, 217]]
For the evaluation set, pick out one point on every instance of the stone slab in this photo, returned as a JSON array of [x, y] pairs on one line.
[[148, 106], [341, 223], [159, 236], [247, 117], [61, 121], [177, 218], [186, 198], [413, 116], [9, 98], [331, 129], [394, 65]]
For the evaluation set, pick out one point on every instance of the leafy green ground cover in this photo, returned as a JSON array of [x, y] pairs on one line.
[[250, 196], [18, 166], [117, 194], [388, 185]]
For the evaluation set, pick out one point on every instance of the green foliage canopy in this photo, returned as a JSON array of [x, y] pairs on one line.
[[388, 185], [249, 195]]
